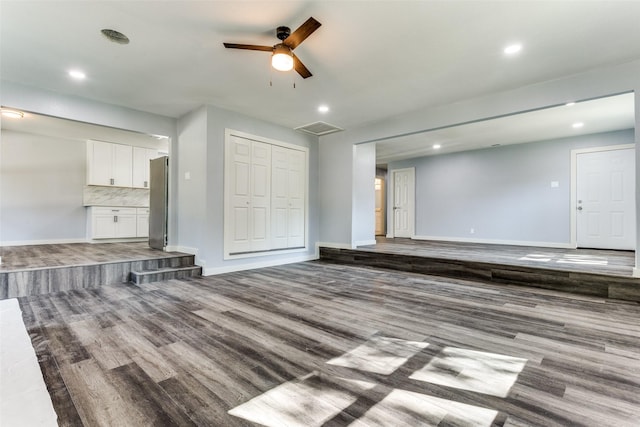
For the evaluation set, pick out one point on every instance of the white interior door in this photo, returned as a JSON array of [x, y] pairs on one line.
[[605, 203], [403, 202], [379, 187]]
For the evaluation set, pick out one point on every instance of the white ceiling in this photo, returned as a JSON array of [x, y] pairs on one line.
[[598, 115], [370, 59]]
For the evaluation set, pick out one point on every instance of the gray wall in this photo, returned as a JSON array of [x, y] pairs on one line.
[[200, 149], [364, 203], [41, 183], [503, 193]]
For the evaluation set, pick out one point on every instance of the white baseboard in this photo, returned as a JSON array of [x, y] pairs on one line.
[[42, 242], [254, 265], [365, 242], [184, 249], [334, 245], [497, 242], [636, 272]]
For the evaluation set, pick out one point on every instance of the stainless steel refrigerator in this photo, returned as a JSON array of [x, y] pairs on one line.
[[158, 202]]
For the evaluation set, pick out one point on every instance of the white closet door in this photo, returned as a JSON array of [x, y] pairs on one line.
[[279, 197], [265, 196], [260, 203], [297, 189], [238, 173]]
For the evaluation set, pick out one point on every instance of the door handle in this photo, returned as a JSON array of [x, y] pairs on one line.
[[579, 208]]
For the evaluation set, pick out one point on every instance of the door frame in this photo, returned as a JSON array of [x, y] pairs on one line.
[[574, 182], [412, 201]]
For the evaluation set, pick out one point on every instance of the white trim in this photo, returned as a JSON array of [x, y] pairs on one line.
[[573, 222], [251, 266], [265, 253], [636, 272], [364, 242], [44, 242], [183, 249], [496, 242], [333, 245]]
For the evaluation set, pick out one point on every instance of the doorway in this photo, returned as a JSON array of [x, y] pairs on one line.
[[605, 198], [380, 211], [403, 208]]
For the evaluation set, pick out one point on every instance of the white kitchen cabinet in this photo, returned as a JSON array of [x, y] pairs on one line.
[[141, 158], [112, 222], [109, 164], [142, 222]]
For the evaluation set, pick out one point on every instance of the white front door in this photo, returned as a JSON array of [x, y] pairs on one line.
[[403, 202], [605, 203]]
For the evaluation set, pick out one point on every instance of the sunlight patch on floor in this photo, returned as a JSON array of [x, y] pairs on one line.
[[486, 373], [406, 408], [309, 401], [380, 355]]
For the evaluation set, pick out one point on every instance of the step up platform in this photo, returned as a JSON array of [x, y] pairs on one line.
[[43, 269], [414, 259], [162, 274]]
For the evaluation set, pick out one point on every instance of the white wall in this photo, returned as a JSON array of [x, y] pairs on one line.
[[364, 204], [191, 181], [200, 209], [504, 194], [336, 189], [41, 183]]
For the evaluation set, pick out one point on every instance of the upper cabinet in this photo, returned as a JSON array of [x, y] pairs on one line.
[[118, 165], [141, 158], [109, 164]]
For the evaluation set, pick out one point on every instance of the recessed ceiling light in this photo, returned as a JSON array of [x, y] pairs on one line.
[[577, 125], [77, 74], [570, 104], [436, 146], [12, 114], [512, 49], [323, 109]]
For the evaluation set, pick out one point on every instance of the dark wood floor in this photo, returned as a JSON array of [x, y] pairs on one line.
[[601, 261], [404, 349]]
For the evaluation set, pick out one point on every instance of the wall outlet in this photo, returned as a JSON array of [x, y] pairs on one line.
[[187, 175], [472, 231], [555, 184]]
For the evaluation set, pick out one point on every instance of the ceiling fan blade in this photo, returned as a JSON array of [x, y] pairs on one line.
[[300, 68], [248, 47], [304, 31]]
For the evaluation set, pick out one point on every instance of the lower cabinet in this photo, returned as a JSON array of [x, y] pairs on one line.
[[117, 222], [142, 222]]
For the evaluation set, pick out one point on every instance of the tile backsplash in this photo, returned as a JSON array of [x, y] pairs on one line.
[[95, 195]]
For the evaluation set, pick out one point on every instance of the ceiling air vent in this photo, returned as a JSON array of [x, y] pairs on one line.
[[319, 128]]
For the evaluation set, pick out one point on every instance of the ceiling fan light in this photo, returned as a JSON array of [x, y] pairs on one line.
[[282, 58]]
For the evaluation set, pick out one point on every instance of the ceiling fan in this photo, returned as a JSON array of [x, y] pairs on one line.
[[283, 58]]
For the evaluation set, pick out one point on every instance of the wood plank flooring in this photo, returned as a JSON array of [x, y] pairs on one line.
[[600, 261], [74, 254], [257, 343]]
